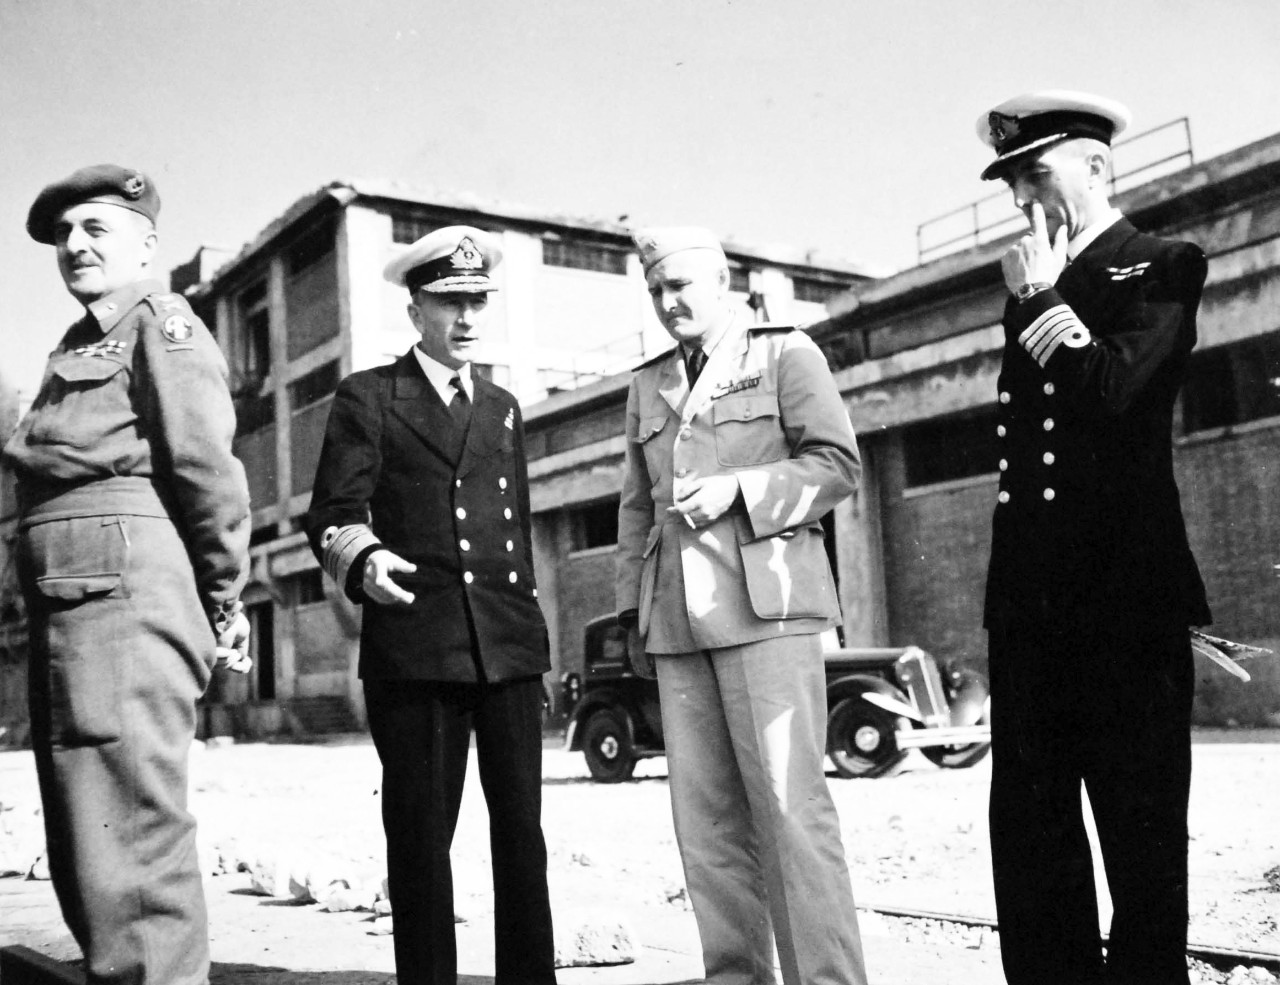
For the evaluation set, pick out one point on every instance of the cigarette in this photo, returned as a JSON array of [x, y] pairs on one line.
[[689, 520]]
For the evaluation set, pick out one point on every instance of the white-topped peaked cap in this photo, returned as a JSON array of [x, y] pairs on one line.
[[656, 244], [1037, 120], [452, 259]]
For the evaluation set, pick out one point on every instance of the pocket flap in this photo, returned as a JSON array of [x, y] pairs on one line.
[[74, 588], [748, 407], [649, 427], [87, 368]]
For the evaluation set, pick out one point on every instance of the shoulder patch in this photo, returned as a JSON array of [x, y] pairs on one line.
[[176, 328]]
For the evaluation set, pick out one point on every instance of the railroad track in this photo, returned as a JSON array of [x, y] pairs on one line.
[[1222, 958]]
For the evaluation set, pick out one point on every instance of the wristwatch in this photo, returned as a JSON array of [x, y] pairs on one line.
[[1027, 291]]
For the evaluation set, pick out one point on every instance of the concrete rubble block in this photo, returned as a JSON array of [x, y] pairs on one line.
[[39, 869], [382, 907], [341, 898], [272, 875], [592, 938], [381, 926]]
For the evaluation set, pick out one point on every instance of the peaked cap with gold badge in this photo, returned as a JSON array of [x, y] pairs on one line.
[[450, 260], [107, 183], [1035, 121]]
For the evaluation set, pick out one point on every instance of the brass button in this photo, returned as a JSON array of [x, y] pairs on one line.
[[1048, 389], [1004, 464], [465, 544], [468, 577], [460, 513], [507, 512], [512, 577], [1003, 497], [1049, 494], [1048, 423], [510, 546], [685, 434], [1000, 430], [502, 483], [1004, 396], [1048, 458]]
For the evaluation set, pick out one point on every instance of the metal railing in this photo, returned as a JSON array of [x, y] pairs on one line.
[[995, 215]]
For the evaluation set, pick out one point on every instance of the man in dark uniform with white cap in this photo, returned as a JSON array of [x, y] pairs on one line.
[[1092, 585], [133, 549], [420, 512]]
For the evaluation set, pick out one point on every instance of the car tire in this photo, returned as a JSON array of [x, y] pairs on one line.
[[862, 741], [606, 745]]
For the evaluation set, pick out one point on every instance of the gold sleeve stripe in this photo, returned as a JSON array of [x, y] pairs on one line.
[[1057, 325], [341, 545]]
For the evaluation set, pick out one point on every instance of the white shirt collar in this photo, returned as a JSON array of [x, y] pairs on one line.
[[1086, 236], [439, 375]]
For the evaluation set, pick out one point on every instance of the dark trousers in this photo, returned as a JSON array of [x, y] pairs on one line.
[[119, 643], [1111, 709], [422, 731]]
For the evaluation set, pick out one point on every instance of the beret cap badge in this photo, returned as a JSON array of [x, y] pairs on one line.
[[133, 186]]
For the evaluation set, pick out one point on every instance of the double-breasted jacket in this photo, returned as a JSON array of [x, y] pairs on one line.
[[396, 471], [1088, 520]]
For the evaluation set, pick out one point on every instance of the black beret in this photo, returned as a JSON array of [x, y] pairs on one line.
[[108, 183]]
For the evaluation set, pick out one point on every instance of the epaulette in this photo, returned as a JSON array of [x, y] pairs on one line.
[[656, 359], [168, 303], [770, 327]]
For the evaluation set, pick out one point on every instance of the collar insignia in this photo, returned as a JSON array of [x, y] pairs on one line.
[[466, 256]]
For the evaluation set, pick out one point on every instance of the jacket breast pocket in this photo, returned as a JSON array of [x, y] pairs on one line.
[[748, 429], [82, 400], [650, 429]]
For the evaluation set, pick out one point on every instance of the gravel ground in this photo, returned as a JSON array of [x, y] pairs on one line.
[[916, 840]]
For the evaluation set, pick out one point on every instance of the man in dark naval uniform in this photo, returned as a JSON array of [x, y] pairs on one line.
[[133, 547], [420, 511], [1092, 585]]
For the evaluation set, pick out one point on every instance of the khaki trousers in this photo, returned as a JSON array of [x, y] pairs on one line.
[[759, 837]]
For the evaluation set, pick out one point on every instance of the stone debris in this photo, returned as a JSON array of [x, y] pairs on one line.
[[1272, 877], [589, 939], [343, 898], [381, 926], [39, 868]]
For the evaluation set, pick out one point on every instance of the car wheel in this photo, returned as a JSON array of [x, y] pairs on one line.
[[862, 740], [606, 744]]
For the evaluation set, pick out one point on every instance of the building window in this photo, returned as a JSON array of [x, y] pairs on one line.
[[309, 585], [817, 291], [1232, 384], [310, 249], [316, 385], [950, 448], [409, 229], [593, 525], [254, 412], [739, 279], [584, 256], [255, 319]]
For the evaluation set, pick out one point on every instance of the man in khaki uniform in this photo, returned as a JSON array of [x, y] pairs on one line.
[[133, 547], [737, 445]]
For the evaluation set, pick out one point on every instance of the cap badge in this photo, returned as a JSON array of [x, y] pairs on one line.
[[134, 186], [1003, 128], [466, 256], [176, 328]]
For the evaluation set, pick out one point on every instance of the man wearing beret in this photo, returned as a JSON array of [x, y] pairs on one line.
[[133, 548], [737, 444], [1092, 585], [420, 512]]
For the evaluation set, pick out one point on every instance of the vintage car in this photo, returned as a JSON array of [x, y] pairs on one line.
[[882, 702]]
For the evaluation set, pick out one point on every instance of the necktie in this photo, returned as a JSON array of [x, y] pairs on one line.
[[697, 359], [460, 405]]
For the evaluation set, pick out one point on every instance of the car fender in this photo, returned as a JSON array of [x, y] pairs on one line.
[[856, 685]]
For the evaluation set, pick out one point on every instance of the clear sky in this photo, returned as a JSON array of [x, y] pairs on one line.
[[834, 124]]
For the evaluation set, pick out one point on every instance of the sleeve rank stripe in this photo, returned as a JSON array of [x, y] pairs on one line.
[[1043, 336], [342, 548]]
